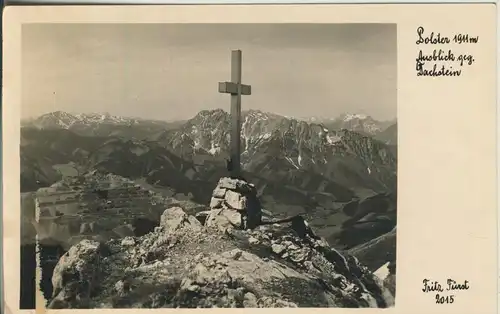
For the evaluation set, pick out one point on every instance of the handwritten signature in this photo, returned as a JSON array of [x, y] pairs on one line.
[[435, 286], [451, 285]]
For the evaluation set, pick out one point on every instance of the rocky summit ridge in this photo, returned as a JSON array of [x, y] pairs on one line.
[[227, 256]]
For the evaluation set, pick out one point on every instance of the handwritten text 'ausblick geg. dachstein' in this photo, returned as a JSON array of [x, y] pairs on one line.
[[438, 54]]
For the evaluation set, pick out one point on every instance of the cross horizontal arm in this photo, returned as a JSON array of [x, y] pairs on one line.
[[232, 88]]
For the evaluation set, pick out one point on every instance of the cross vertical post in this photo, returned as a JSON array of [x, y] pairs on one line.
[[236, 89], [236, 113]]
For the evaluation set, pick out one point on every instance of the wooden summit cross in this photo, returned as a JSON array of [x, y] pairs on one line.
[[236, 89]]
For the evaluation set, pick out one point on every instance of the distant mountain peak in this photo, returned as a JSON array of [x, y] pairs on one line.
[[256, 114], [349, 116], [209, 112], [208, 117], [99, 124], [357, 122], [65, 119]]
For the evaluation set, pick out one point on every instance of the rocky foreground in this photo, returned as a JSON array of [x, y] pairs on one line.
[[221, 259]]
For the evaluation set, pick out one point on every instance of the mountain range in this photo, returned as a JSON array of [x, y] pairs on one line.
[[298, 166], [339, 174], [360, 123], [98, 124], [110, 125]]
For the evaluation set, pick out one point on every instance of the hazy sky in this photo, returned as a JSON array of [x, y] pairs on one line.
[[171, 71]]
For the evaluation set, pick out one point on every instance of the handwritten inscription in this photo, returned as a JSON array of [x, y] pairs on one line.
[[446, 293], [443, 60]]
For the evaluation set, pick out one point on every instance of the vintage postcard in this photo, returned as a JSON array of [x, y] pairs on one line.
[[250, 156]]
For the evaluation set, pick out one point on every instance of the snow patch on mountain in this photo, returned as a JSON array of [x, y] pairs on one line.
[[265, 136], [357, 122], [383, 272], [291, 162], [214, 149], [349, 117], [332, 139]]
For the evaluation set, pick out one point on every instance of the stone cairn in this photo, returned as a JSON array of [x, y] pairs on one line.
[[234, 205]]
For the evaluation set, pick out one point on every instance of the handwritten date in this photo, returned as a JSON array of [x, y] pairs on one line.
[[449, 299]]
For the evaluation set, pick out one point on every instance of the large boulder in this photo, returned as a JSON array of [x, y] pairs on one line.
[[77, 275], [175, 218]]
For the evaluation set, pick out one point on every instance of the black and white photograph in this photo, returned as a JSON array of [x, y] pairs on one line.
[[184, 165]]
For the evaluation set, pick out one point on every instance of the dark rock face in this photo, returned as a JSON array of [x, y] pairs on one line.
[[28, 272], [49, 257], [368, 219], [101, 193], [377, 252], [185, 264], [142, 226]]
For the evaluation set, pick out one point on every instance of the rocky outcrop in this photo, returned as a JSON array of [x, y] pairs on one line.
[[234, 204], [185, 264], [78, 274], [175, 218]]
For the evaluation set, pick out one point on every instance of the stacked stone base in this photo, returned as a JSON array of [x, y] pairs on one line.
[[234, 205]]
